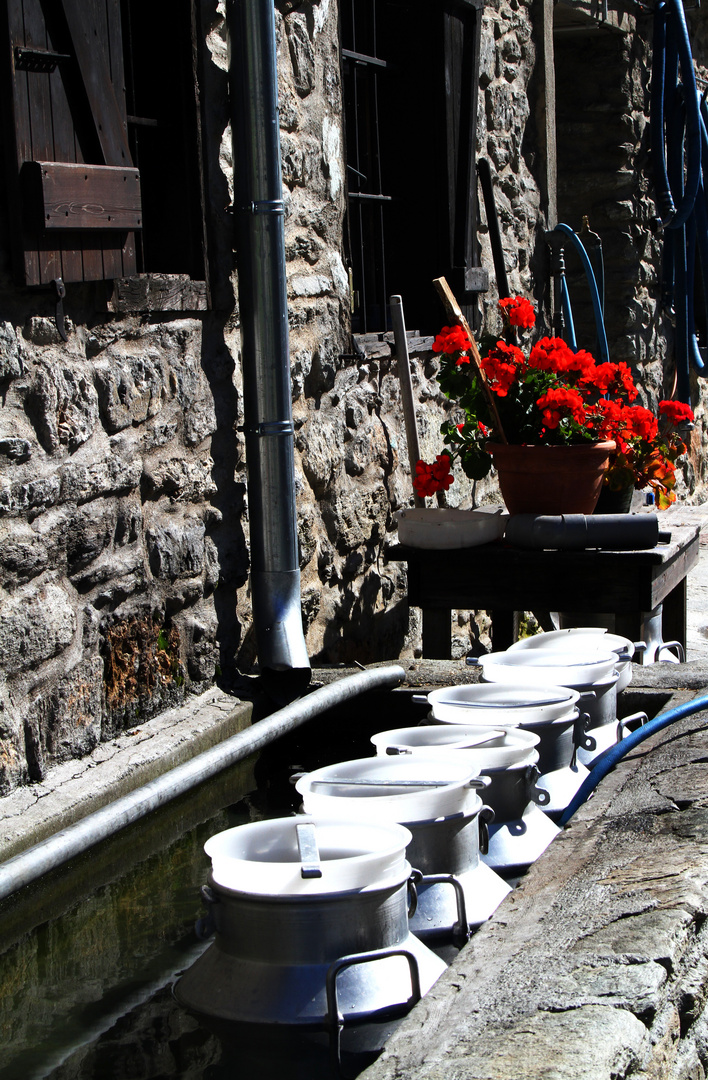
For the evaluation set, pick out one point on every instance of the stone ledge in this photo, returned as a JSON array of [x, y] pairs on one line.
[[78, 787], [597, 964]]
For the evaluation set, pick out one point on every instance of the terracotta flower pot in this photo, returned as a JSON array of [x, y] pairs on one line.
[[551, 479]]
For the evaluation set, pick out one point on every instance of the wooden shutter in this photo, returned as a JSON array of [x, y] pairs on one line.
[[75, 193], [462, 28]]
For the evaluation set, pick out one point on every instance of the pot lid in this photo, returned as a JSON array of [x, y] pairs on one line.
[[302, 855], [404, 789], [461, 742], [501, 706], [577, 638], [540, 666]]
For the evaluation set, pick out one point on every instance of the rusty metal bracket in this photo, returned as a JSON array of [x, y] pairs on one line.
[[60, 290]]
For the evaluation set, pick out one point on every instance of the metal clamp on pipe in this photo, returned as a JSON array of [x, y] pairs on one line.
[[575, 532]]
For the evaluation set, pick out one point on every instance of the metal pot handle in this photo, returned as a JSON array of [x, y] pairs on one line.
[[486, 817], [581, 740], [536, 794], [461, 930], [412, 884], [205, 926], [335, 1020], [638, 718]]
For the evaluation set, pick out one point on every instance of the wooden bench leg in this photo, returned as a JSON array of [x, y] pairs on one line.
[[437, 634], [502, 629], [673, 622]]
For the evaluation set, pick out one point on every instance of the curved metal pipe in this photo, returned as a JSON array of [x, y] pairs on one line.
[[75, 839], [268, 424]]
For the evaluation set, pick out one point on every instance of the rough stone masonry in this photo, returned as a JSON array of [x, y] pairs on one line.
[[124, 545]]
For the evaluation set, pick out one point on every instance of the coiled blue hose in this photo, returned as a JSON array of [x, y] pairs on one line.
[[610, 758], [671, 50], [678, 153]]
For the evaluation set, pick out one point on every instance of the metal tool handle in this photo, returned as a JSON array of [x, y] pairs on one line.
[[308, 850]]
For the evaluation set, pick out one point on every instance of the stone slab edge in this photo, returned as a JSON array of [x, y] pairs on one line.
[[597, 965], [77, 788]]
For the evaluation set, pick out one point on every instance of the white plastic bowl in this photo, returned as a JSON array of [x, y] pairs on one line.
[[447, 528], [501, 706], [452, 742], [444, 789], [581, 637], [262, 857], [575, 638], [547, 666]]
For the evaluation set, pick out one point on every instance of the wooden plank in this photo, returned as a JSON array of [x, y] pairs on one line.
[[16, 134], [41, 128], [114, 32], [80, 196], [87, 26], [158, 292], [65, 149], [454, 312]]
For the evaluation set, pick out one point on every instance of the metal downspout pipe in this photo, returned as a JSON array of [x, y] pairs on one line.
[[75, 839], [268, 423]]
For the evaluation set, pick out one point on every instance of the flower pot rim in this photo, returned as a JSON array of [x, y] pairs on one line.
[[607, 446]]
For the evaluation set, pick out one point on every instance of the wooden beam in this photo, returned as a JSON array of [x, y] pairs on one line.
[[454, 313], [78, 196]]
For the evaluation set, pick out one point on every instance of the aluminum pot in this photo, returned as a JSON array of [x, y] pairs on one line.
[[303, 956], [456, 891], [447, 822], [521, 830], [561, 772]]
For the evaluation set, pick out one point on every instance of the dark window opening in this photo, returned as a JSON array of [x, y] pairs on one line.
[[410, 74], [163, 134]]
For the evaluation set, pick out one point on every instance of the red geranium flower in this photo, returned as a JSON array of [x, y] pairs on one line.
[[451, 339], [518, 311], [501, 365], [676, 412], [432, 478], [560, 402]]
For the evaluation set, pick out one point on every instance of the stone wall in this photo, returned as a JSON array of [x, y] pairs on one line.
[[123, 508]]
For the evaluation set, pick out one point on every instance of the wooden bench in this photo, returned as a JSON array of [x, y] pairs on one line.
[[500, 580]]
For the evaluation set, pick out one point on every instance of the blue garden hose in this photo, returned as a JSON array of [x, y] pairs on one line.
[[679, 157], [610, 758], [597, 303]]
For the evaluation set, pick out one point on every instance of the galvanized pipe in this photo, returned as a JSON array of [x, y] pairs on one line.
[[75, 839], [268, 425]]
